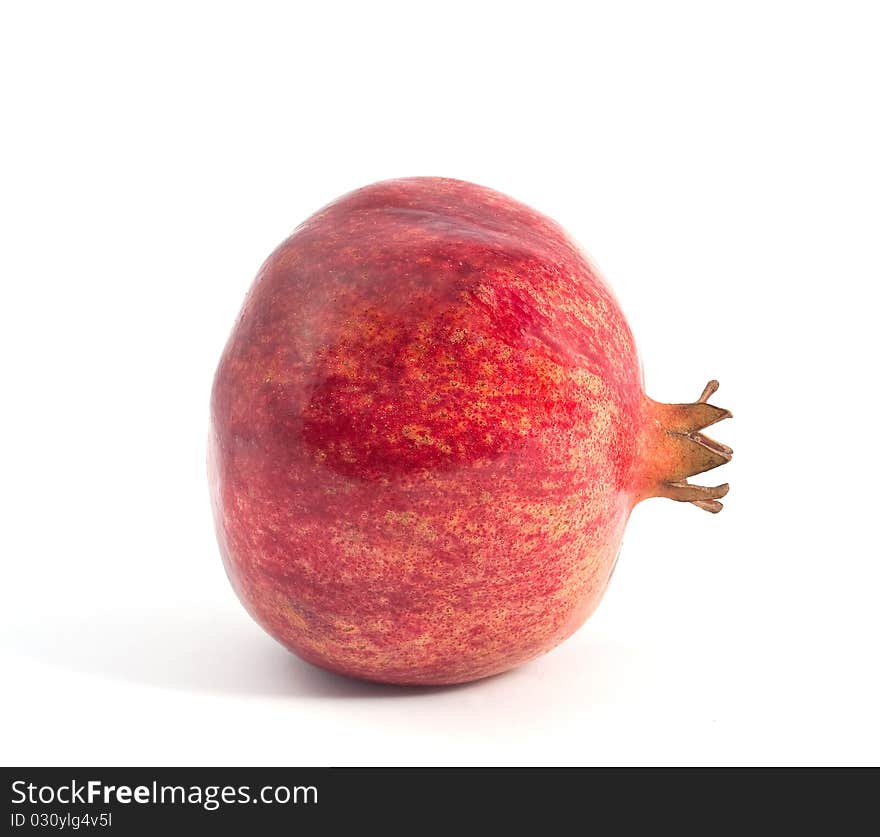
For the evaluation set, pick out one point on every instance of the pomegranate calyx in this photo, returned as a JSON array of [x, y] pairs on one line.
[[673, 449]]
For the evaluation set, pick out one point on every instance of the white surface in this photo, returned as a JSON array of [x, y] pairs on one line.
[[720, 164]]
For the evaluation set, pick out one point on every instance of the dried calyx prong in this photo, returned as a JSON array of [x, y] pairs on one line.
[[704, 496], [692, 452], [708, 391]]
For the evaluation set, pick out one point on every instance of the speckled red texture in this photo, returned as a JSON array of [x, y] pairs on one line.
[[424, 429]]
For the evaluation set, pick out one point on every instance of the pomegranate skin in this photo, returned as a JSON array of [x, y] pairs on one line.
[[425, 437]]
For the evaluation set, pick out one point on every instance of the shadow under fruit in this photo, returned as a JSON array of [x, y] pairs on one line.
[[428, 431]]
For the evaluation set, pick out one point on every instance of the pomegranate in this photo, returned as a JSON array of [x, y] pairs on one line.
[[428, 433]]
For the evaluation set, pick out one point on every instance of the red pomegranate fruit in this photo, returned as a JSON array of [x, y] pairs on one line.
[[428, 433]]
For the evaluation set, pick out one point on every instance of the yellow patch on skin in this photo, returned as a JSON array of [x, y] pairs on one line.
[[422, 436], [587, 381], [406, 518], [285, 611], [419, 527]]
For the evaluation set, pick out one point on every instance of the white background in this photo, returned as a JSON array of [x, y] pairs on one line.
[[719, 162]]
